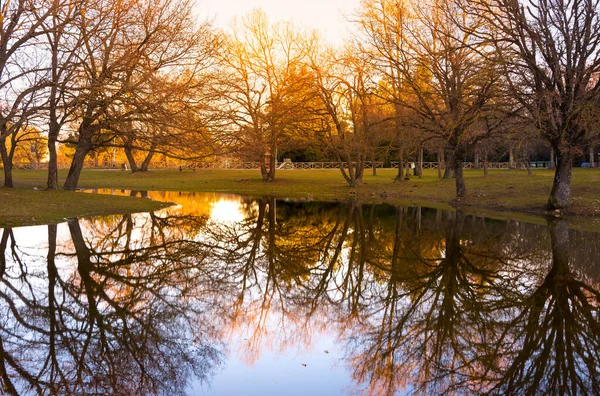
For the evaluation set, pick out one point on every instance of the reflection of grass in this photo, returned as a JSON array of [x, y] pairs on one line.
[[27, 207], [502, 191]]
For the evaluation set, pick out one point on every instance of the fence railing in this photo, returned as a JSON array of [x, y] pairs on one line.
[[44, 165], [296, 165], [379, 164], [368, 164]]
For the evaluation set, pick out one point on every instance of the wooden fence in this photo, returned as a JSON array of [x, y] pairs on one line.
[[378, 164], [296, 165]]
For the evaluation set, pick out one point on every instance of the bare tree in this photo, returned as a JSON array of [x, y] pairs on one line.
[[21, 69], [437, 67], [264, 87], [348, 105], [383, 25], [171, 116], [60, 42], [552, 62], [125, 49]]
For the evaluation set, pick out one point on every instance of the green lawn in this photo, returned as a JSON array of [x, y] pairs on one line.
[[501, 191], [28, 207]]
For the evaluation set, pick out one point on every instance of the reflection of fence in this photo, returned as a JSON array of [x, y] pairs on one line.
[[297, 165]]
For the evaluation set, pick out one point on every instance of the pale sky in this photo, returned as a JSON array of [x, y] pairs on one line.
[[327, 16]]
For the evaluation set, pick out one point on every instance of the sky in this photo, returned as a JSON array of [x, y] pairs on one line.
[[327, 16]]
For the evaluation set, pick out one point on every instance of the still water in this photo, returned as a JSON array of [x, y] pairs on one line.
[[230, 295]]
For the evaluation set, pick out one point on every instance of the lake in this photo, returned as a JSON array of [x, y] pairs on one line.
[[225, 295]]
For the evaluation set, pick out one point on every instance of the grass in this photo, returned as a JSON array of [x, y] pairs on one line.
[[22, 207], [501, 192]]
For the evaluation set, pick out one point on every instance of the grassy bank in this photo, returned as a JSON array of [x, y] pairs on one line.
[[501, 191], [28, 207]]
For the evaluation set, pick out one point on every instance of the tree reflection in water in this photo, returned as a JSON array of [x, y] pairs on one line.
[[434, 303], [120, 320], [427, 301], [555, 337]]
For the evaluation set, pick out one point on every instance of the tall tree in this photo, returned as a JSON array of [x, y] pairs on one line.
[[126, 47], [552, 59], [383, 25], [264, 87], [60, 43], [171, 116], [21, 69], [344, 82], [440, 70]]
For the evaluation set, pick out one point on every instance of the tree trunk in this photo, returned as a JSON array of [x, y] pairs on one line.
[[343, 172], [53, 125], [52, 182], [476, 160], [525, 156], [560, 196], [592, 157], [398, 141], [272, 167], [528, 167], [354, 176], [351, 173], [84, 145], [457, 165], [449, 173], [7, 162], [552, 159], [485, 164], [511, 158], [263, 170], [420, 164], [440, 163], [353, 181], [373, 165], [130, 158], [146, 162], [360, 169], [400, 174]]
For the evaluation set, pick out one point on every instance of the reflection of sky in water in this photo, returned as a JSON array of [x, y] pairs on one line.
[[226, 211], [276, 341], [283, 363], [283, 372]]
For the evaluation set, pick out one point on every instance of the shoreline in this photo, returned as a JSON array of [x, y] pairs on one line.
[[508, 194]]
